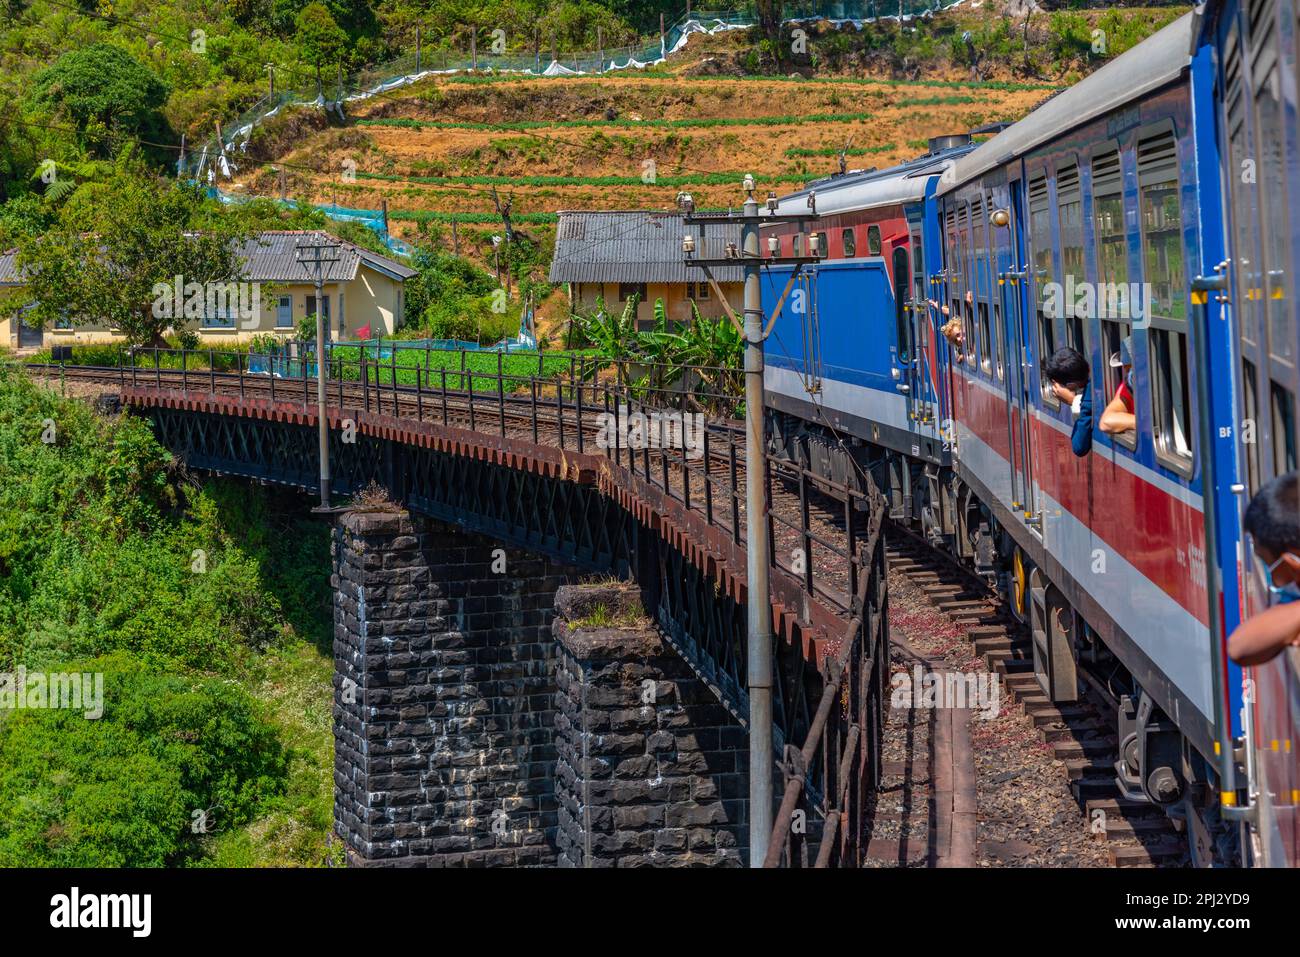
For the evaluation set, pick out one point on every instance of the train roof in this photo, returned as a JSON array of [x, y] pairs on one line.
[[866, 189], [1151, 64]]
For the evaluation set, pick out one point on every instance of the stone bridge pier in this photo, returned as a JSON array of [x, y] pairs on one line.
[[491, 709]]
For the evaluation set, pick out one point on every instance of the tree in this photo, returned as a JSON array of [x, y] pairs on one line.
[[103, 90], [320, 39], [101, 263], [769, 20]]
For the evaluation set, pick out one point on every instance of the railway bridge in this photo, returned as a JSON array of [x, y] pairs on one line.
[[540, 653]]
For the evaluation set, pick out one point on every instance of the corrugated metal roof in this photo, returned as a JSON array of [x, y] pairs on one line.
[[271, 257], [1148, 66], [9, 268], [636, 246]]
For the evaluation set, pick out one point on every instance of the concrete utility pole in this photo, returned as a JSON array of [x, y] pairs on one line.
[[317, 256], [758, 547]]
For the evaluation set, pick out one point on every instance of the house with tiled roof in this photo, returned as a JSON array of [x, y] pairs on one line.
[[363, 295], [612, 255]]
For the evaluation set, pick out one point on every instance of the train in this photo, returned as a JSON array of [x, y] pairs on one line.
[[1147, 217]]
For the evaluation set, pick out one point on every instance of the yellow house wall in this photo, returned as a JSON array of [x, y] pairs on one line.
[[676, 301], [372, 298]]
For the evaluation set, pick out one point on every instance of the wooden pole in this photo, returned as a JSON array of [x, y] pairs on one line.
[[270, 80], [417, 48], [537, 49], [180, 162], [473, 50], [663, 37], [384, 208]]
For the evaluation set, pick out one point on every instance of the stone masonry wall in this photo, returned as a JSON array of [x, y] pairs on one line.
[[650, 768], [444, 695]]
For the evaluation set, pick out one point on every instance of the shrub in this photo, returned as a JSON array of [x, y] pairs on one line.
[[122, 791]]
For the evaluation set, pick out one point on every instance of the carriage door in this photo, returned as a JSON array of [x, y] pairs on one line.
[[925, 389], [1021, 376], [902, 278]]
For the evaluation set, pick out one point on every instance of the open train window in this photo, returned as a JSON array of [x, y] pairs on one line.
[[873, 240], [998, 342], [1165, 305], [968, 325], [1046, 346], [986, 339], [1283, 403], [1112, 334], [850, 244], [1250, 423], [797, 244], [1171, 398], [1113, 305]]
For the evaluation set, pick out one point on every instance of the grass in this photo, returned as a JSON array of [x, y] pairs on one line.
[[800, 151], [464, 369], [438, 216], [696, 179], [602, 616], [663, 76], [701, 122]]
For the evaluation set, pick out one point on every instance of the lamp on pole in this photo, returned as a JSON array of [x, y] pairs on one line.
[[317, 256], [758, 547]]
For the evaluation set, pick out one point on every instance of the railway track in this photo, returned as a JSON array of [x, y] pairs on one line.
[[809, 529], [1078, 737]]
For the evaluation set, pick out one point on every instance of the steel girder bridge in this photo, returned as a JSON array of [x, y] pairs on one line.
[[585, 466]]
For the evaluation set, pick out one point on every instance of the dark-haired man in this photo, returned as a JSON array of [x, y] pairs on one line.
[[1273, 524], [1067, 371]]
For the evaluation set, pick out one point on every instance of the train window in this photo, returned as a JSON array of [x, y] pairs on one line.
[[1162, 221], [1069, 204], [1112, 303], [997, 340], [1250, 423], [850, 244], [1283, 402], [797, 244], [902, 326], [1166, 299], [822, 248], [1273, 130], [986, 339], [968, 327], [1046, 346], [1112, 334], [1040, 236], [873, 240], [1171, 400]]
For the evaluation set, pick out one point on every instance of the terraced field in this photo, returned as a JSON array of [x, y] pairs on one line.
[[436, 151]]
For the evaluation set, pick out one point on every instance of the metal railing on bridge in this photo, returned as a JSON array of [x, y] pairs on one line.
[[677, 429]]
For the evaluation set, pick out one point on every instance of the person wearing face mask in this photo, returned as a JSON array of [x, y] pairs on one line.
[[1118, 416], [1273, 523], [1067, 371]]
